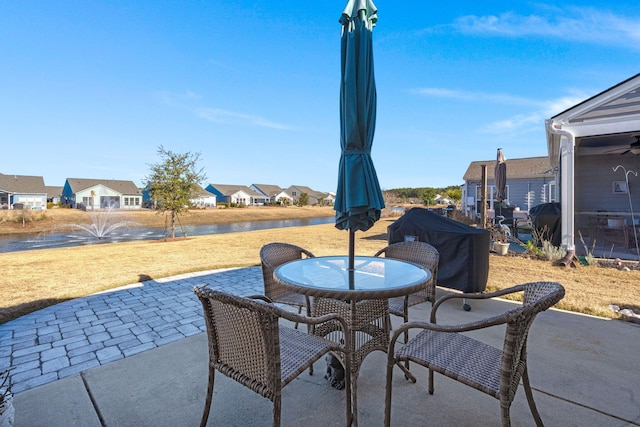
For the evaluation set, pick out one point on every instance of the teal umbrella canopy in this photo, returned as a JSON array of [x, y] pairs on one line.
[[359, 199]]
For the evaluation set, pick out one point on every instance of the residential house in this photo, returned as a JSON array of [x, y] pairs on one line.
[[238, 194], [273, 193], [594, 150], [100, 194], [54, 194], [442, 200], [22, 192], [315, 197], [201, 198], [530, 182]]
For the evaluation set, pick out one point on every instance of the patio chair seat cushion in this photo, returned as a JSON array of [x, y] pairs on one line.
[[291, 298], [396, 305], [297, 350], [457, 356]]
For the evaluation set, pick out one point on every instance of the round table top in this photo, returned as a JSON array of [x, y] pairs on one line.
[[373, 277]]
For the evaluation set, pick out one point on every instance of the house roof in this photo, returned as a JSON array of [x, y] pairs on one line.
[[122, 187], [606, 122], [269, 190], [198, 191], [53, 190], [309, 191], [22, 184], [528, 167], [228, 190]]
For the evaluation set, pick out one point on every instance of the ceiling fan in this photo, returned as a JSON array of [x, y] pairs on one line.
[[634, 147]]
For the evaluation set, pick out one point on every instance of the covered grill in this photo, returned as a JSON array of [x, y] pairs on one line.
[[464, 250]]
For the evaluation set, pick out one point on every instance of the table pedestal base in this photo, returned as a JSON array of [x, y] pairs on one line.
[[369, 326]]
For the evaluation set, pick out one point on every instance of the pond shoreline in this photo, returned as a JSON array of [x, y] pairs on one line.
[[61, 219]]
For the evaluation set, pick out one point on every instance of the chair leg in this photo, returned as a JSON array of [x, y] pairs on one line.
[[348, 393], [387, 400], [299, 312], [406, 335], [207, 404], [506, 419], [529, 394], [277, 407], [430, 381]]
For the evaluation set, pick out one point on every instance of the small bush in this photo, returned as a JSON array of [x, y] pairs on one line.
[[550, 252]]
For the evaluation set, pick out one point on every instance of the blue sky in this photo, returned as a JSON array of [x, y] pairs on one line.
[[91, 89]]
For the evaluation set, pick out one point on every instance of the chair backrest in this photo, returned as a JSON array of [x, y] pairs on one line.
[[271, 256], [420, 253], [538, 296], [243, 340]]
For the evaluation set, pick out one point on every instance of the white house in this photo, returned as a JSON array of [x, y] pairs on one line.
[[100, 194], [202, 198], [239, 194]]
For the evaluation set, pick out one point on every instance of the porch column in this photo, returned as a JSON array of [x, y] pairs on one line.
[[567, 196]]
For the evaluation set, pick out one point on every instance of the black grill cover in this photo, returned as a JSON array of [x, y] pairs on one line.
[[464, 250], [547, 222]]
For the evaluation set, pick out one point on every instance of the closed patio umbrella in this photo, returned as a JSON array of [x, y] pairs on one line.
[[501, 177], [358, 197]]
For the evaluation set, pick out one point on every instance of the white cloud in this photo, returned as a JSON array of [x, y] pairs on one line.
[[497, 98], [533, 118], [582, 24], [218, 115]]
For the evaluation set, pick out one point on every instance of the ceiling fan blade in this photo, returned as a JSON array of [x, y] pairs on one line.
[[624, 152]]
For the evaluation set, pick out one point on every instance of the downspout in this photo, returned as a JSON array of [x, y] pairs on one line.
[[567, 194]]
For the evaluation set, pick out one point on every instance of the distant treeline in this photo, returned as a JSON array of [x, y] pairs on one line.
[[426, 194]]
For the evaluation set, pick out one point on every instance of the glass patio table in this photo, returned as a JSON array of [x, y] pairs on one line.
[[361, 297]]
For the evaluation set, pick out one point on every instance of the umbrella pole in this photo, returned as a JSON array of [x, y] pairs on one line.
[[351, 269], [352, 239]]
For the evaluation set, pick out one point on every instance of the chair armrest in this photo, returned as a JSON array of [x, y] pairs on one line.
[[380, 252], [294, 317], [261, 297], [479, 324], [499, 293]]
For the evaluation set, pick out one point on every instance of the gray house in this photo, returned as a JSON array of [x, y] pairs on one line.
[[530, 182], [100, 194], [21, 191], [315, 197], [54, 193], [273, 193], [594, 149]]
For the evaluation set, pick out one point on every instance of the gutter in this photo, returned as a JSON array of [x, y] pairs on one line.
[[565, 158]]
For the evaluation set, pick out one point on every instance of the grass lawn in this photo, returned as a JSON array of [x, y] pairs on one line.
[[36, 279]]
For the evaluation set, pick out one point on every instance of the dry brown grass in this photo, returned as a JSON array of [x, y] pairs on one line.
[[35, 279]]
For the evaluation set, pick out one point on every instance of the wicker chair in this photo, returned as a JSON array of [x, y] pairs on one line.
[[420, 253], [271, 256], [497, 372], [247, 344]]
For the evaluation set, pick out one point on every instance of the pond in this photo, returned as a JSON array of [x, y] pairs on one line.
[[53, 239]]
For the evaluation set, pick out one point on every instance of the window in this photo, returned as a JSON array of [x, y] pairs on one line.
[[491, 196]]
